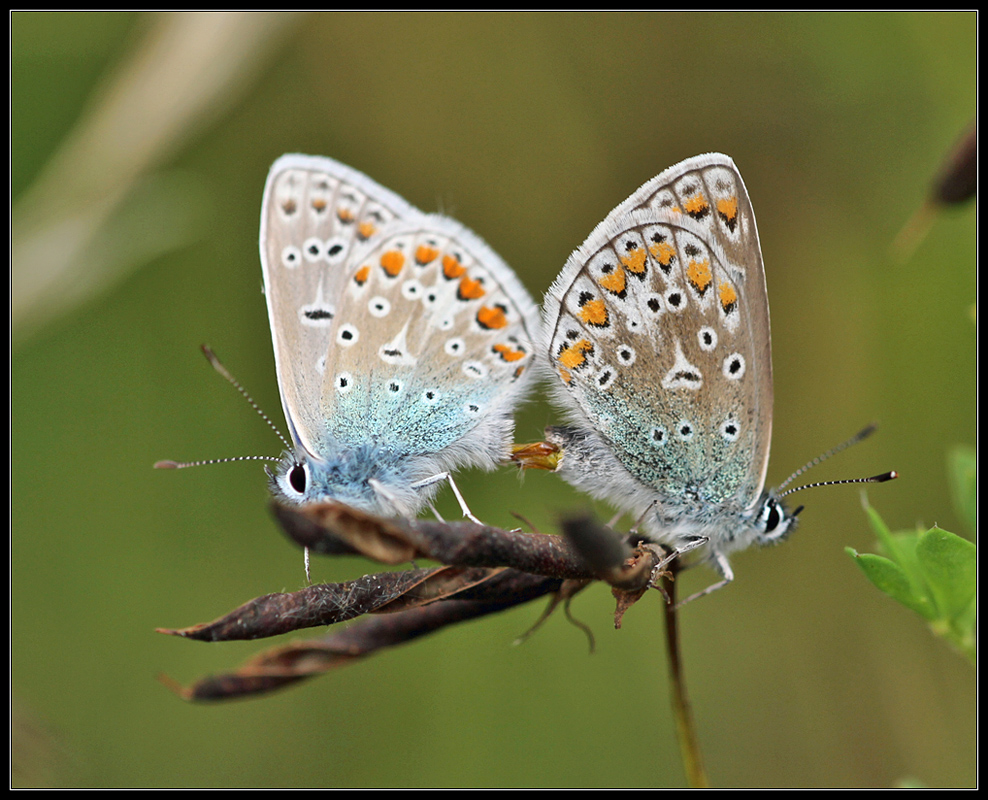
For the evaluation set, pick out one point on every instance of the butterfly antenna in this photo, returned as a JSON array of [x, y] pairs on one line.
[[218, 366], [858, 437], [885, 476], [184, 464], [861, 435]]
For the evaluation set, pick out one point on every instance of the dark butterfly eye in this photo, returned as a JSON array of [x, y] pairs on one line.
[[296, 477], [774, 518]]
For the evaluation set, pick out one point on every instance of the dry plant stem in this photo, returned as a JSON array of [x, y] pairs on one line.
[[689, 744], [334, 529], [486, 570], [280, 667], [380, 593]]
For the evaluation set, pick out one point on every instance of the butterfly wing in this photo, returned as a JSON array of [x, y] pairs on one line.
[[672, 282], [431, 348], [316, 215]]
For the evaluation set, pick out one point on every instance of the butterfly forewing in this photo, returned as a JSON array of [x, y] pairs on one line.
[[316, 217], [672, 282]]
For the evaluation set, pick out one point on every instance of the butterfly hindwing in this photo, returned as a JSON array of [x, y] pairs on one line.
[[431, 342]]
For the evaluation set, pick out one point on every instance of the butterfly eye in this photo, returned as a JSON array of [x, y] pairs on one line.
[[774, 521], [774, 517], [297, 478]]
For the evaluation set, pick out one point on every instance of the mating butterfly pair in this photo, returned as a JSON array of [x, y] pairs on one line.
[[403, 344]]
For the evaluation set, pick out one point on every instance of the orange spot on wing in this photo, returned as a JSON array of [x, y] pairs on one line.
[[614, 282], [392, 261], [663, 252], [491, 318], [728, 208], [594, 312], [344, 215], [319, 204], [509, 353], [361, 275], [696, 206], [452, 268], [634, 261], [699, 275], [424, 254], [565, 375], [366, 229], [575, 355], [728, 297], [470, 289]]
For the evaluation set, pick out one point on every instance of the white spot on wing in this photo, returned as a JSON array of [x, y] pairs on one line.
[[682, 374]]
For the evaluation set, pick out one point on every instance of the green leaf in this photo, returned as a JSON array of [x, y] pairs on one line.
[[934, 573], [949, 565], [962, 467], [890, 578], [900, 548]]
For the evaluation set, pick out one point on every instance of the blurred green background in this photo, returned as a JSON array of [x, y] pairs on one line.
[[139, 149]]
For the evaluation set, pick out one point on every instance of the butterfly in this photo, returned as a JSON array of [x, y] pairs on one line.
[[402, 342], [657, 339]]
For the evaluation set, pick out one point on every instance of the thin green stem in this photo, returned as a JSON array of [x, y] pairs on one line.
[[689, 744]]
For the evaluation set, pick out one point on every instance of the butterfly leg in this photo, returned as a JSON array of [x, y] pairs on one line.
[[720, 563], [435, 511], [676, 553], [641, 519], [445, 476], [724, 568]]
